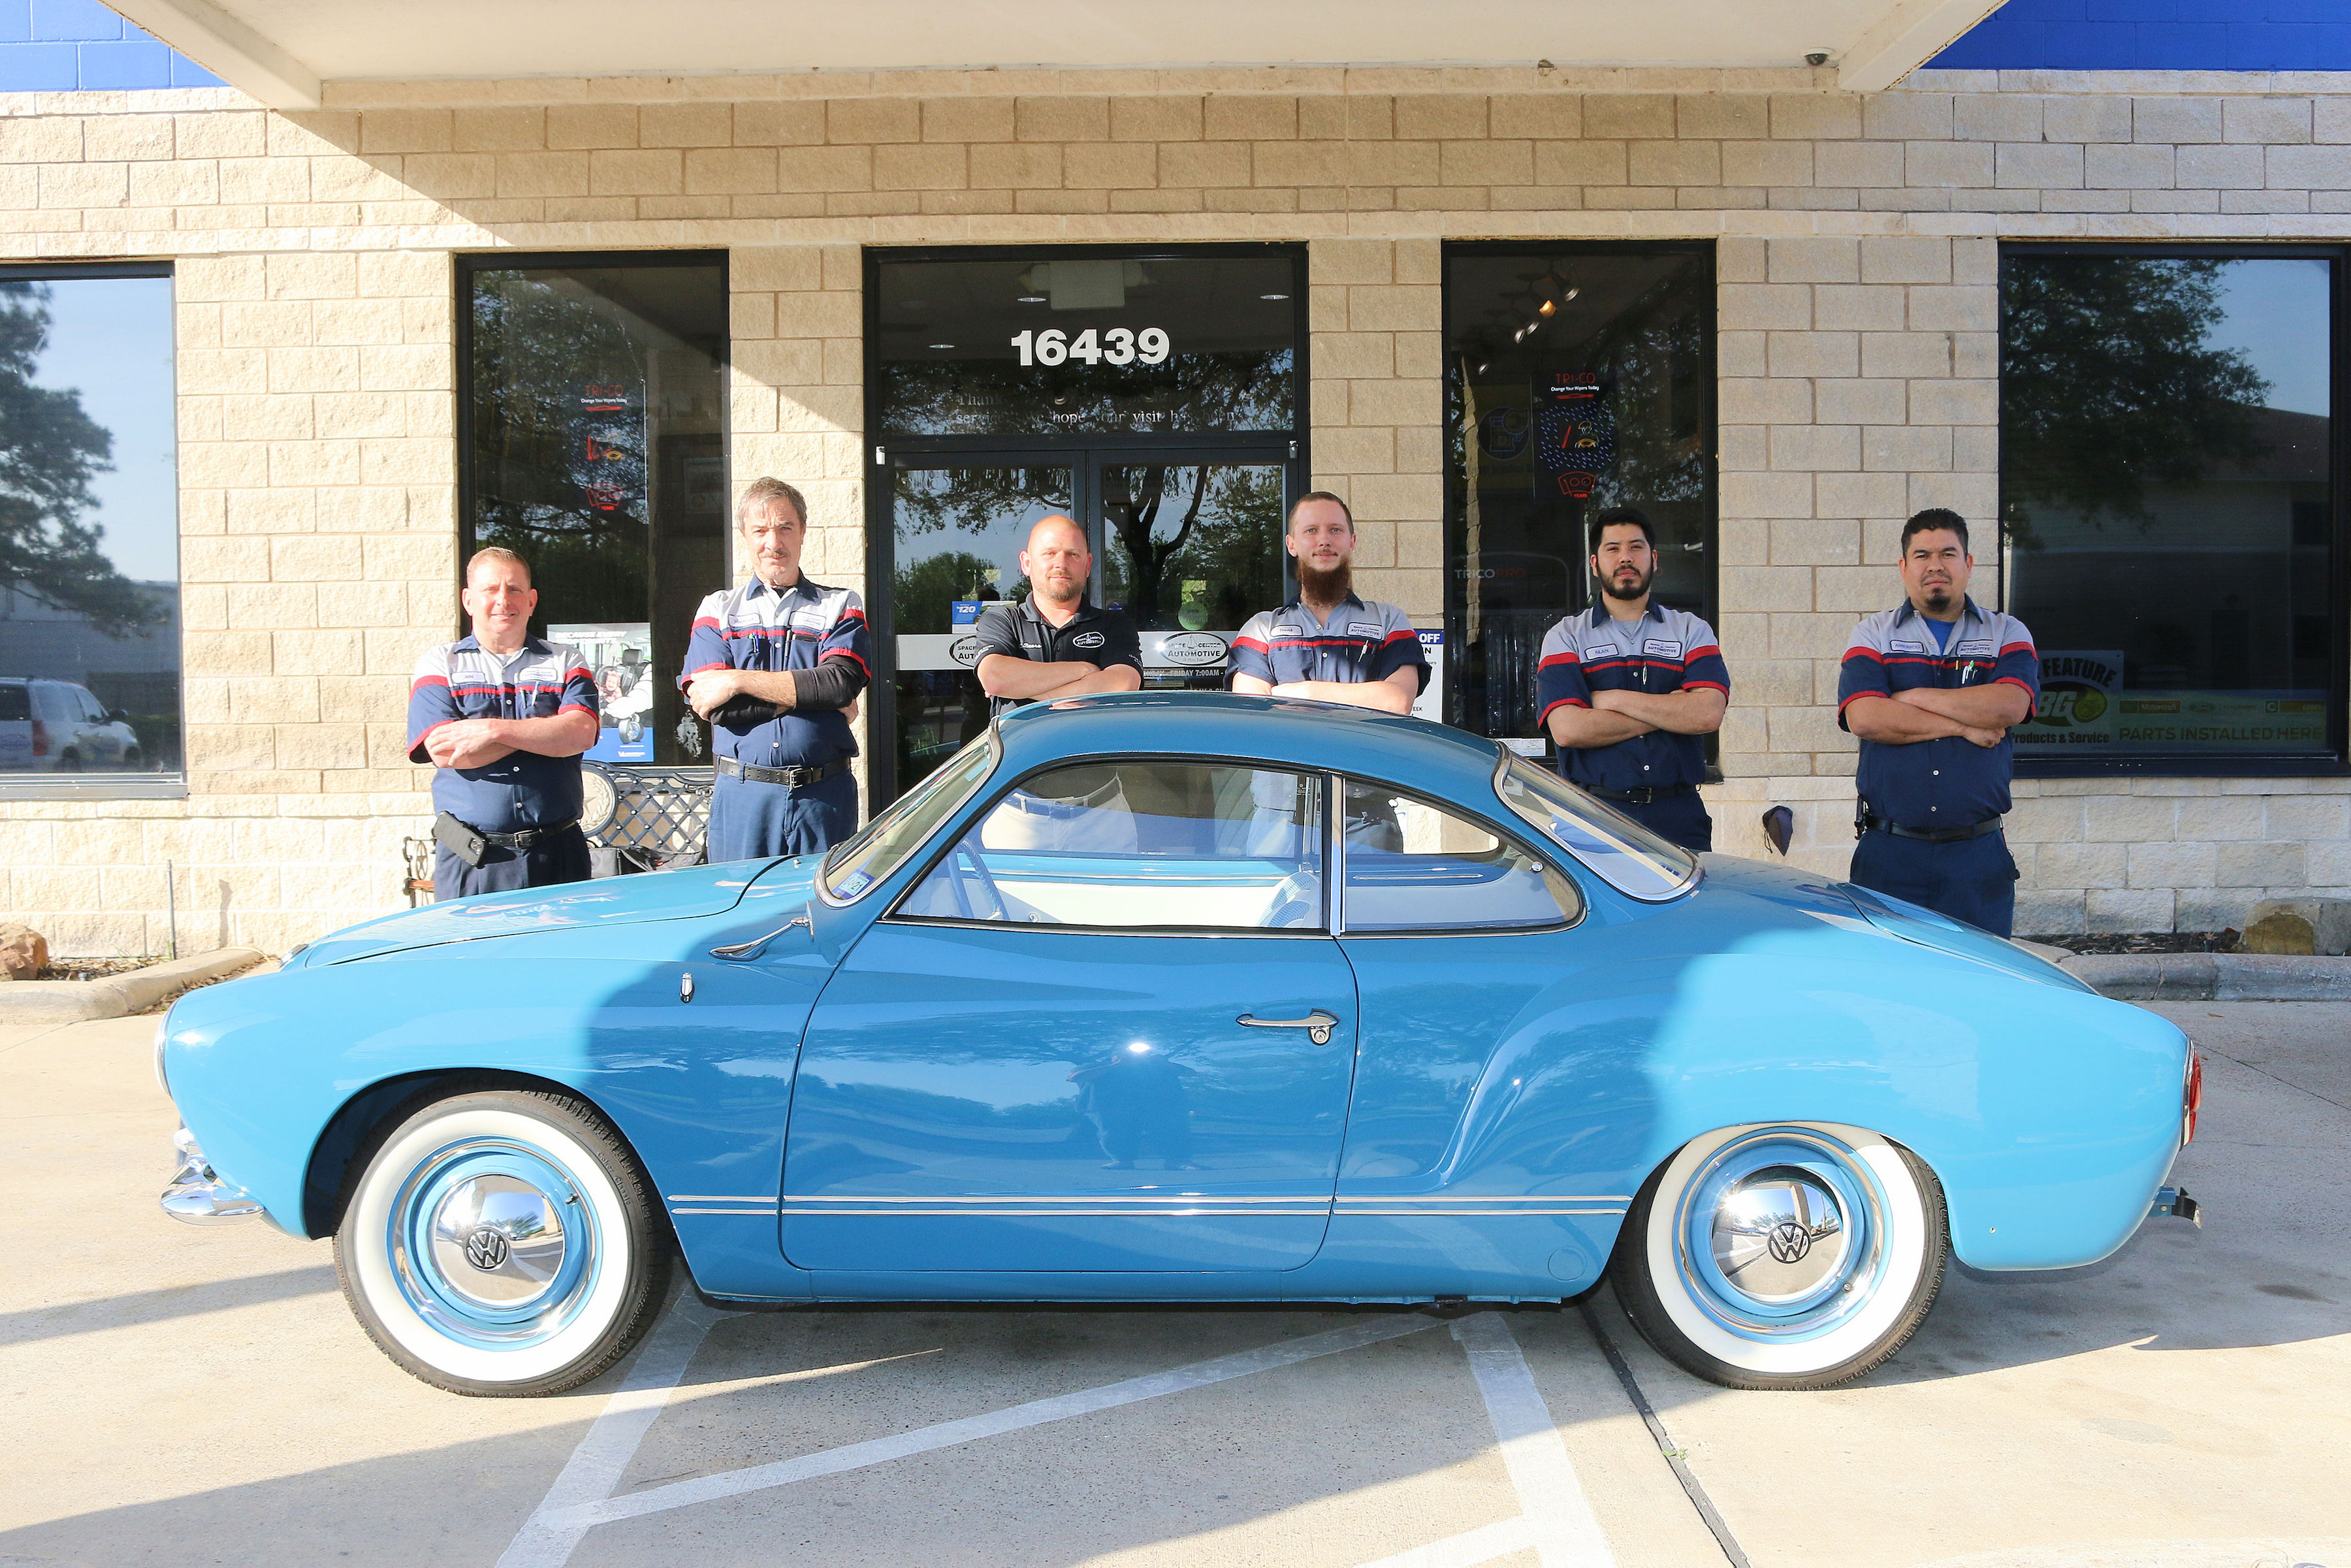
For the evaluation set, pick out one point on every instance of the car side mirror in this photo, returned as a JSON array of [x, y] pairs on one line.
[[117, 715]]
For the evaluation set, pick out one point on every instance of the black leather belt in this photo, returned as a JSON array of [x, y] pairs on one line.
[[529, 836], [1934, 835], [1646, 795], [790, 778]]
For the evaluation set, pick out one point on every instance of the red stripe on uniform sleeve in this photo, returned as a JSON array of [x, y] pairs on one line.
[[1872, 655], [1544, 716], [1550, 659], [1857, 696], [423, 681], [700, 621], [2016, 648], [1708, 687], [579, 672], [1406, 635], [1697, 653], [573, 708], [850, 612], [1251, 644], [2020, 686], [851, 654]]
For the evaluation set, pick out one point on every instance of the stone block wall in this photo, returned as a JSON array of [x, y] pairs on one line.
[[1856, 241]]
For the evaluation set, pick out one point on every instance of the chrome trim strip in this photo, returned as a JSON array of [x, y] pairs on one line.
[[754, 1212], [1071, 1213], [1472, 1198], [1060, 1197], [717, 1197]]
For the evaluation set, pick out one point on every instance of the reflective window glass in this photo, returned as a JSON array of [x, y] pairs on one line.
[[1577, 378], [89, 540], [1412, 866], [1630, 857], [1140, 845], [882, 846], [595, 427], [1192, 546], [1085, 345], [2167, 501]]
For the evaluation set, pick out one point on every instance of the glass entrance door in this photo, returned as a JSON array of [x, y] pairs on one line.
[[1187, 543]]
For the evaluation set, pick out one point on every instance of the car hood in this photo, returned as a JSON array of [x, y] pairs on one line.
[[1797, 896], [610, 901]]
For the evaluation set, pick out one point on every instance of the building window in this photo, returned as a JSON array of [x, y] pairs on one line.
[[594, 418], [2170, 527], [1578, 377], [89, 534]]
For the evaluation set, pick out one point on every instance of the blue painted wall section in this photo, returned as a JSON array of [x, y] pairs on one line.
[[80, 46], [2158, 34]]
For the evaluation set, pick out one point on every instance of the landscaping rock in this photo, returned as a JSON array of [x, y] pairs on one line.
[[2300, 926], [24, 951]]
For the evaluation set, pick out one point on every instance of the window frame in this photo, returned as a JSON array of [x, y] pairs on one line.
[[1321, 930], [1338, 888], [88, 786], [1452, 522], [2335, 761]]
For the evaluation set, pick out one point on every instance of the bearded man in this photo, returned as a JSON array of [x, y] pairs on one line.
[[1630, 688]]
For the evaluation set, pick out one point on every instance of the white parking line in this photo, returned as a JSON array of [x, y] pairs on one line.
[[582, 1515], [602, 1457], [1469, 1549], [1564, 1532]]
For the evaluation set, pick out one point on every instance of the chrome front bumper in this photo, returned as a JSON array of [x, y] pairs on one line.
[[196, 1195]]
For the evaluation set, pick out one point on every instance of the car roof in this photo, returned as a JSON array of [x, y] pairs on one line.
[[1288, 730]]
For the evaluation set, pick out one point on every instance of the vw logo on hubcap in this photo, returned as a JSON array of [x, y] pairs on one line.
[[1789, 1242], [486, 1249]]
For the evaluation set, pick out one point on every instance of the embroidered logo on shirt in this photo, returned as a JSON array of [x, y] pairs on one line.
[[1363, 629], [1898, 646], [1661, 648], [1087, 639]]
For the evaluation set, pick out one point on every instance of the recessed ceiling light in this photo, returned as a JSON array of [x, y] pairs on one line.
[[942, 345], [1273, 296], [1033, 299]]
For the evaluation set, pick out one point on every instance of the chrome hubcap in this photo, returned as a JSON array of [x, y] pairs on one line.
[[1781, 1234], [494, 1243], [497, 1240]]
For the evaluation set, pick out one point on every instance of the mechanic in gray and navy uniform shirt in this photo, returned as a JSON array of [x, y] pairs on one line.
[[505, 716], [1330, 643], [776, 666], [1631, 688], [1932, 687]]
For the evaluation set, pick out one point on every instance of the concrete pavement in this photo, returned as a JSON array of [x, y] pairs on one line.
[[188, 1396]]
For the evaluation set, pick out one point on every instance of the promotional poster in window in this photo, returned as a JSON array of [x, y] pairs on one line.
[[620, 656], [2086, 711]]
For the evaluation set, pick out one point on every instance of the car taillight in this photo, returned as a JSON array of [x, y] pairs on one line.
[[40, 738], [2192, 1098]]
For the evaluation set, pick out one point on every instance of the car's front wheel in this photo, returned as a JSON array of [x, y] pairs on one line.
[[503, 1243], [1794, 1256]]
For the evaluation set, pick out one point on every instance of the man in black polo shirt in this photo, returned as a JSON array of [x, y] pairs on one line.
[[1049, 645]]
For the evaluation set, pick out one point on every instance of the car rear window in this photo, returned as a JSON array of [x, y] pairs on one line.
[[1634, 861], [14, 704]]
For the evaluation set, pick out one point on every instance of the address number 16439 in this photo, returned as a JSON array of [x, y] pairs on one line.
[[1118, 345]]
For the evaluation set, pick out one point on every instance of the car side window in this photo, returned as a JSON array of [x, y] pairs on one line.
[[14, 704], [1137, 845], [1412, 866]]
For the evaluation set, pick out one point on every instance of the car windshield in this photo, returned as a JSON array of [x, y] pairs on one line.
[[1633, 860], [885, 841]]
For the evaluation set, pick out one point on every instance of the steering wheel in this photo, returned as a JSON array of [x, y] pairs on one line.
[[978, 873]]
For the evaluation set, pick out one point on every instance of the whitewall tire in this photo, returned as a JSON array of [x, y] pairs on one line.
[[1793, 1255], [503, 1243]]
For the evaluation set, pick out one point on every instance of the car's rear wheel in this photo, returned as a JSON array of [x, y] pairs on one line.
[[503, 1243], [1799, 1255]]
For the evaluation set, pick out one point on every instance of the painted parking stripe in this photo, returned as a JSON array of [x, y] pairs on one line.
[[1566, 1532], [1467, 1550], [602, 1457], [581, 1516]]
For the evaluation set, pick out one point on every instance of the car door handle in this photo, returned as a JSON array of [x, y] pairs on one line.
[[1317, 1024]]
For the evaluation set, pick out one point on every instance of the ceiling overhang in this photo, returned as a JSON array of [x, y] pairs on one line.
[[284, 52]]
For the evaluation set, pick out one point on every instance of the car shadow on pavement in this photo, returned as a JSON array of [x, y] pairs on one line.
[[69, 1318]]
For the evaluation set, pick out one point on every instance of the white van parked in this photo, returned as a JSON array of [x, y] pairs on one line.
[[57, 726]]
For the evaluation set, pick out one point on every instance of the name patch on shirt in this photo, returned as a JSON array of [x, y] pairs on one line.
[[1898, 646], [810, 620], [1288, 632], [1087, 639], [1596, 653], [1659, 648], [1363, 629], [1968, 650]]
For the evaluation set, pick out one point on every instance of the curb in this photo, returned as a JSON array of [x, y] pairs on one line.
[[2213, 976], [76, 1001]]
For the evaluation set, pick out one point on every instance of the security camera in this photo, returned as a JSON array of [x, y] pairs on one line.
[[1817, 57]]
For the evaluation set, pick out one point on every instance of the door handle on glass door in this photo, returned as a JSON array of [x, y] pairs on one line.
[[1317, 1024]]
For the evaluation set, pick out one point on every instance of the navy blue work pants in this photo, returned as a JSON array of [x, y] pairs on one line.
[[1973, 880], [760, 821], [1678, 819], [547, 863]]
